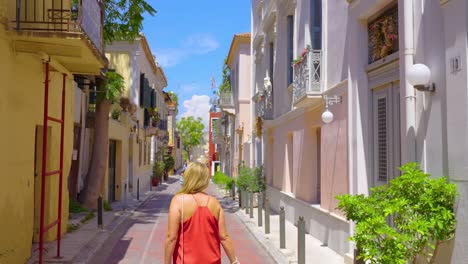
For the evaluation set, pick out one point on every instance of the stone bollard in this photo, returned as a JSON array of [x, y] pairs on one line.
[[246, 196], [251, 196], [99, 212], [282, 224], [260, 218], [267, 215], [125, 196], [138, 189], [301, 241]]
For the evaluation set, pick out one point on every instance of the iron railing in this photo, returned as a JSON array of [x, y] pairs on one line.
[[61, 16], [307, 75], [226, 99]]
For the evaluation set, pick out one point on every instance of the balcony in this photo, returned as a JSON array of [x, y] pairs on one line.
[[307, 83], [226, 100], [72, 32]]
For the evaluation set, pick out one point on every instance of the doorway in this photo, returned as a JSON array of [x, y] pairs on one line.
[[112, 170]]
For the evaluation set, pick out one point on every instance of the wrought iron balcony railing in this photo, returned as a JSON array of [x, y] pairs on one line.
[[163, 124], [307, 84], [60, 16], [226, 100]]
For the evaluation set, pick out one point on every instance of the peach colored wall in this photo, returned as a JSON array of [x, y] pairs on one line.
[[292, 152], [334, 159]]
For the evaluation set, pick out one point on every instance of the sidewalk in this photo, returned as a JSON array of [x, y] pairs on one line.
[[315, 251], [81, 244]]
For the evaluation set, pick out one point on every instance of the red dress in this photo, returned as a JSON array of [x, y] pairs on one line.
[[199, 241]]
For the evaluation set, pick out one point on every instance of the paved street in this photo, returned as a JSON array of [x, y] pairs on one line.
[[140, 239]]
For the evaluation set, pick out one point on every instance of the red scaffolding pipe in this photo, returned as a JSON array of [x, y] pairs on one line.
[[43, 229]]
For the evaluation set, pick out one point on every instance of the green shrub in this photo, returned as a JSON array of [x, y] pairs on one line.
[[88, 217], [158, 170], [251, 179], [223, 180], [169, 163], [75, 207], [107, 206], [419, 208]]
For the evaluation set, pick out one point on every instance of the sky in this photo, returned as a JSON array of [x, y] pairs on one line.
[[191, 39]]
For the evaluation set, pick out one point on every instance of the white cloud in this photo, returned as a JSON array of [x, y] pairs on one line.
[[197, 106], [195, 44], [201, 43]]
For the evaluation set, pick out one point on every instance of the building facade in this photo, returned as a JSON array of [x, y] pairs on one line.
[[135, 133], [236, 106], [355, 59], [40, 55], [294, 63]]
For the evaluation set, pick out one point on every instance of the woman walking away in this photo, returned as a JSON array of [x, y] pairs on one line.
[[196, 223]]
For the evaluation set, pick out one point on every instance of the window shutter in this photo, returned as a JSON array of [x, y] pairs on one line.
[[382, 139], [290, 25], [316, 22]]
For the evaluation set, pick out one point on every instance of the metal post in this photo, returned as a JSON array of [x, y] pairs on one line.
[[246, 196], [62, 144], [233, 190], [99, 218], [267, 215], [138, 189], [301, 240], [125, 196], [260, 204], [282, 223], [18, 15], [251, 197]]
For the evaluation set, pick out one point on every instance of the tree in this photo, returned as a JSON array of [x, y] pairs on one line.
[[226, 84], [123, 20], [191, 131]]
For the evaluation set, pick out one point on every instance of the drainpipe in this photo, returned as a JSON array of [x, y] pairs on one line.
[[410, 98]]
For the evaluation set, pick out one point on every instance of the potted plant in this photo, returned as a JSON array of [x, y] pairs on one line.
[[251, 180], [125, 104], [115, 114], [74, 10], [155, 120], [158, 170], [152, 111], [169, 163], [258, 126]]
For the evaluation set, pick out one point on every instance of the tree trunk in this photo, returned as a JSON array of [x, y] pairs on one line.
[[97, 170]]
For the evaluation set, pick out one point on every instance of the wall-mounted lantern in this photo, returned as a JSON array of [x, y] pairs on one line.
[[419, 75], [327, 115]]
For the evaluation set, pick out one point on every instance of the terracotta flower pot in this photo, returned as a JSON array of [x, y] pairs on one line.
[[154, 182]]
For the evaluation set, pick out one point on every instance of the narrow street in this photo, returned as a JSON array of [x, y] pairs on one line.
[[140, 239]]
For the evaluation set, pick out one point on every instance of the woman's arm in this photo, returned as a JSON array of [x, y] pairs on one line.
[[225, 238], [172, 229]]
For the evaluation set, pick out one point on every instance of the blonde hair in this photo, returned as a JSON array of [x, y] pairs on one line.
[[196, 178]]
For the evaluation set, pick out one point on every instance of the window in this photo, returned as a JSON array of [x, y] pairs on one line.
[[290, 47], [383, 35], [386, 118], [316, 24]]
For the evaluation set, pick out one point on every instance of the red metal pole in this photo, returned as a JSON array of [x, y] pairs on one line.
[[44, 160], [62, 136]]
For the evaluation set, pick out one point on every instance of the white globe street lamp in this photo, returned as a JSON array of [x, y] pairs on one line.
[[419, 75], [327, 116]]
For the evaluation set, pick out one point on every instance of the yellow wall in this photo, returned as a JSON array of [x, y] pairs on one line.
[[21, 111], [120, 62]]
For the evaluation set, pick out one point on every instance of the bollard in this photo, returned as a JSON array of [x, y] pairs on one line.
[[246, 196], [125, 196], [251, 196], [301, 240], [138, 189], [99, 218], [241, 199], [282, 228], [266, 203], [260, 218], [233, 190]]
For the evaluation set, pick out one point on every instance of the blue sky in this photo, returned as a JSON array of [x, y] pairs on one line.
[[191, 39]]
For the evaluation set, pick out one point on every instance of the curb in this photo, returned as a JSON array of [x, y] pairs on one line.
[[96, 243], [272, 250]]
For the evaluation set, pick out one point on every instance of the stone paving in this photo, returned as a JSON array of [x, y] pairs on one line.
[[140, 238]]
